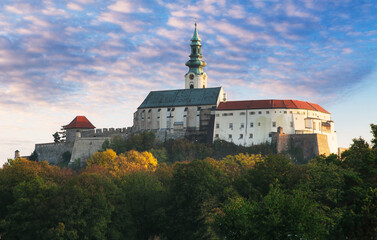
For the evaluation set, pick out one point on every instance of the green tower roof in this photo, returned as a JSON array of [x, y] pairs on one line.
[[196, 63], [196, 37]]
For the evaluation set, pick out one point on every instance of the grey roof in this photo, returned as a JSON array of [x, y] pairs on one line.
[[181, 97]]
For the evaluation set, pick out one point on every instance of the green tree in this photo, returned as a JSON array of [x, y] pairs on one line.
[[256, 182], [56, 136], [195, 190], [278, 215], [140, 207], [31, 214]]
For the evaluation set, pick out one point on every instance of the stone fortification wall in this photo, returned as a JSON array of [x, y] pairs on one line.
[[52, 152], [311, 144], [164, 135], [106, 132], [84, 148]]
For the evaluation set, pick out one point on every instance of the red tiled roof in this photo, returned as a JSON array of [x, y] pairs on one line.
[[80, 122], [271, 103]]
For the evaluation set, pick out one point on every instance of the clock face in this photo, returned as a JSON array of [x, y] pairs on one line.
[[191, 76]]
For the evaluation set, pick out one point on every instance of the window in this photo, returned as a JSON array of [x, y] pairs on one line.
[[225, 114], [250, 135], [290, 112], [230, 114], [252, 124], [252, 113], [199, 108], [217, 125], [184, 115], [259, 124], [285, 112], [291, 124], [186, 108], [172, 109], [241, 136], [217, 115], [267, 112], [168, 109], [260, 112], [230, 136], [143, 110], [159, 110], [217, 136], [242, 113], [242, 125], [191, 86], [270, 135], [150, 110], [273, 124], [231, 125]]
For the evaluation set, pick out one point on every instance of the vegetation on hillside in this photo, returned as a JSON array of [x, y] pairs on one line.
[[124, 192]]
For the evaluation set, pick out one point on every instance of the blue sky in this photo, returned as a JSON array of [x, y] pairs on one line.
[[100, 58]]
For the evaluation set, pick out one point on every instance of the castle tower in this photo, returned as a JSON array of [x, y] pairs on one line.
[[195, 77]]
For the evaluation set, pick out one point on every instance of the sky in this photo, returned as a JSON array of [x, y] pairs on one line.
[[100, 58]]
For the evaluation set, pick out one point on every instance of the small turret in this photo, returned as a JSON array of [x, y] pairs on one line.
[[17, 154]]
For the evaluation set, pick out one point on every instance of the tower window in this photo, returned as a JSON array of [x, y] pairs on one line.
[[273, 124], [191, 85], [204, 86], [217, 125]]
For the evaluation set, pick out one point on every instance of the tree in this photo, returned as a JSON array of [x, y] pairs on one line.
[[278, 215], [374, 132], [195, 190], [256, 182], [34, 156], [140, 207], [123, 164], [56, 136]]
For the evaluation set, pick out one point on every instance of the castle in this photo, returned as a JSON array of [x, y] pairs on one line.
[[198, 112]]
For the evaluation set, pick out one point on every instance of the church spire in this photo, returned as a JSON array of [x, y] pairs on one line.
[[195, 77], [196, 63]]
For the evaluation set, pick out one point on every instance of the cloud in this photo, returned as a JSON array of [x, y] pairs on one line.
[[20, 8], [74, 6]]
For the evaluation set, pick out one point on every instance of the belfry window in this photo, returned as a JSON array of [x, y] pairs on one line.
[[191, 85]]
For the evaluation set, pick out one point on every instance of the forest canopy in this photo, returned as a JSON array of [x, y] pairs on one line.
[[138, 190]]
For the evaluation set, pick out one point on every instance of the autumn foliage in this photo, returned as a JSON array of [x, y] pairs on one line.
[[129, 195], [123, 164]]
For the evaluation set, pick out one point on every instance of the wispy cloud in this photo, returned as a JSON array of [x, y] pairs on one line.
[[88, 56]]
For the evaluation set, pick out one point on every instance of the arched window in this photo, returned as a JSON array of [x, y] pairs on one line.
[[191, 85]]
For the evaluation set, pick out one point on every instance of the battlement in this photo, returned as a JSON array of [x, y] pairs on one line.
[[105, 132], [44, 145]]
